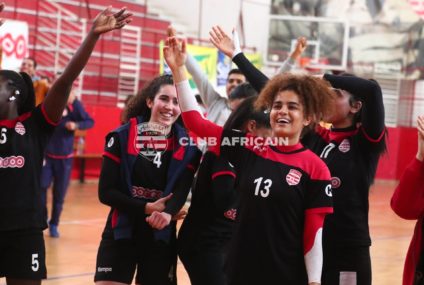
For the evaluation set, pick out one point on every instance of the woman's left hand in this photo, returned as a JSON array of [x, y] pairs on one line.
[[107, 21], [159, 220]]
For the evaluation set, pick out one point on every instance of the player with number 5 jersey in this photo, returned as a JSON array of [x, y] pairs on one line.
[[24, 133], [285, 190]]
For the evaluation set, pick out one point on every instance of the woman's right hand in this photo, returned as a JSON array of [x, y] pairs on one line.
[[420, 127], [175, 53], [157, 206], [222, 41]]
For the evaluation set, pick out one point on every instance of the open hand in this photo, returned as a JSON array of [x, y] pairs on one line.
[[175, 52], [107, 21], [222, 41]]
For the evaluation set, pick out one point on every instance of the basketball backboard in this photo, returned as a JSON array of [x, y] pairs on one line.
[[328, 40]]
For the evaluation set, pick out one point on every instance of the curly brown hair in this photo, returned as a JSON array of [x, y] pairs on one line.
[[315, 94], [138, 105]]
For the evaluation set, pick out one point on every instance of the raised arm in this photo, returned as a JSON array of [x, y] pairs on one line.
[[370, 93], [206, 90], [175, 55], [231, 48], [289, 63], [58, 94], [408, 198]]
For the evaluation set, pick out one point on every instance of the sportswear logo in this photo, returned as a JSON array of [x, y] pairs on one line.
[[12, 162], [344, 146], [293, 177], [20, 129], [335, 182], [104, 269]]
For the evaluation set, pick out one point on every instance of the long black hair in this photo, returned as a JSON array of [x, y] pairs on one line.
[[246, 111], [138, 105]]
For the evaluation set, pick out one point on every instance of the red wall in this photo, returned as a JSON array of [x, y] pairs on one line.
[[106, 119]]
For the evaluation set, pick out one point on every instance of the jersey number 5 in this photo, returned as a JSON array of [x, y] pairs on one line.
[[3, 138], [264, 192]]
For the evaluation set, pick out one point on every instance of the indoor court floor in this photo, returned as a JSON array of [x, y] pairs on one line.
[[71, 258]]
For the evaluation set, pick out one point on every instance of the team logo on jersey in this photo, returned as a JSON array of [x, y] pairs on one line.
[[344, 146], [12, 162], [151, 139], [335, 182], [293, 177], [231, 214], [110, 142], [329, 190], [20, 129]]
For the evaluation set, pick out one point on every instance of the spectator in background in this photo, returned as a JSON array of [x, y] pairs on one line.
[[59, 156], [408, 203], [40, 86], [218, 108]]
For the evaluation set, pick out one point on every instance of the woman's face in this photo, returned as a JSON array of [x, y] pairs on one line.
[[342, 115], [164, 107], [287, 116], [7, 89]]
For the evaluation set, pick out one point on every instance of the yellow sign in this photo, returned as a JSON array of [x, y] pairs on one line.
[[206, 57]]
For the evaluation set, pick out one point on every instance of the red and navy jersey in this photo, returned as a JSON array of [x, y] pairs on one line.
[[352, 159], [22, 144], [278, 186], [212, 212]]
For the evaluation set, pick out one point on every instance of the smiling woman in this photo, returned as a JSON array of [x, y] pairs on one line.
[[271, 208], [145, 179]]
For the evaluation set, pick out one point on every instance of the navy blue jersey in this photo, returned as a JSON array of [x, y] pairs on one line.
[[22, 144]]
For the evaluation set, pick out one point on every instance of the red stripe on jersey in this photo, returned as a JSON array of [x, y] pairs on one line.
[[328, 210], [202, 127], [313, 222], [114, 218], [371, 139], [43, 111], [179, 154], [132, 133], [220, 173], [112, 156], [12, 123]]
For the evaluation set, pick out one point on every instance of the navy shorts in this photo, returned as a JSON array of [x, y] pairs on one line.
[[23, 255]]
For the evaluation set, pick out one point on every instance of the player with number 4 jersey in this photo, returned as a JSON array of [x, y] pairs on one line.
[[145, 179]]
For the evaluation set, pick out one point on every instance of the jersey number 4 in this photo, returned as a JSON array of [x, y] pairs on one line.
[[263, 191]]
